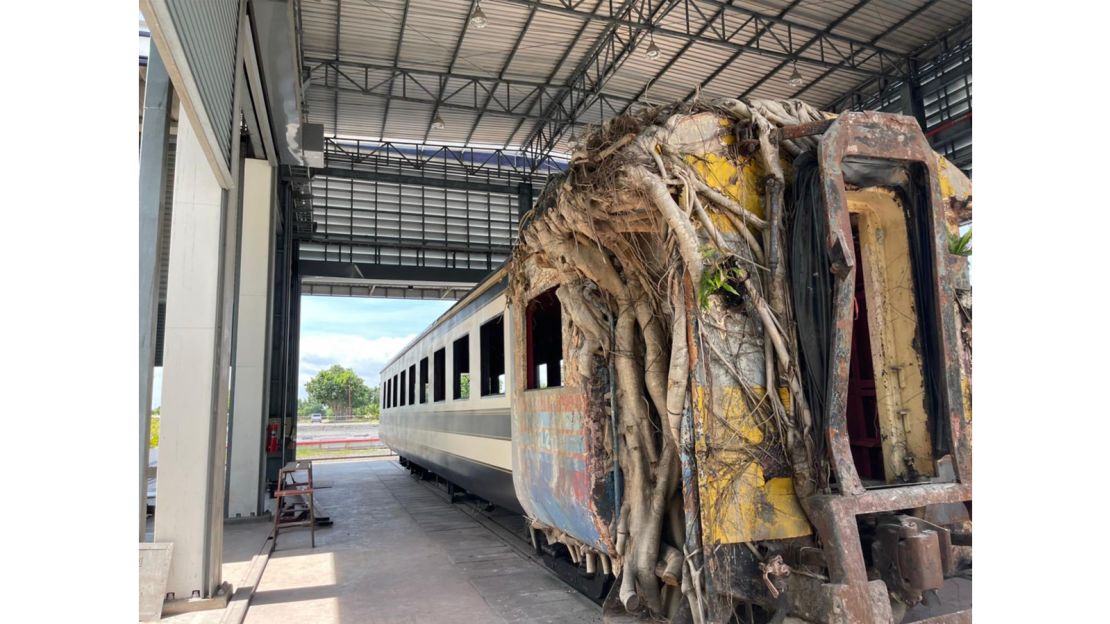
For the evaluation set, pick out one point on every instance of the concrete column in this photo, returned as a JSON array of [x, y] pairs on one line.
[[152, 165], [192, 446], [249, 403]]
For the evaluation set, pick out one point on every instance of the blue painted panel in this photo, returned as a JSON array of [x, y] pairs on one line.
[[559, 474]]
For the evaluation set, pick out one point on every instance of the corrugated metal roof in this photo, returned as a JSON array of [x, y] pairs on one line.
[[550, 49]]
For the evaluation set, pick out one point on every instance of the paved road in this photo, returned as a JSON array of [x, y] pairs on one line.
[[333, 431]]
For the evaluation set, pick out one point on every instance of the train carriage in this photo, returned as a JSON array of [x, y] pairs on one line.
[[727, 371]]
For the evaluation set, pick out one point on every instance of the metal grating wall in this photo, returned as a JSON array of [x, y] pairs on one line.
[[209, 33], [409, 225], [945, 90], [164, 252]]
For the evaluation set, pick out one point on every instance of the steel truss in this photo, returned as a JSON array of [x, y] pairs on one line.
[[440, 161], [732, 27], [384, 290], [552, 109], [450, 90], [410, 204], [871, 91]]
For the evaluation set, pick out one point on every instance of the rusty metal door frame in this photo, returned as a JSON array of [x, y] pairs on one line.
[[898, 140]]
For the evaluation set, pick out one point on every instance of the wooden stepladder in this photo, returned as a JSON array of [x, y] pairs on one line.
[[295, 504]]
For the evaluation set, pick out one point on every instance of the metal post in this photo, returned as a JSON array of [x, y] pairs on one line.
[[152, 175], [523, 198], [912, 103]]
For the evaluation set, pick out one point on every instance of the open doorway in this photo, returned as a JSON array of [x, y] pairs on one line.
[[888, 417], [344, 344], [864, 436]]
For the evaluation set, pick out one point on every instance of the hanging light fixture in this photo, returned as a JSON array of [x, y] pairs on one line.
[[478, 17], [572, 140], [438, 123], [652, 51], [795, 79]]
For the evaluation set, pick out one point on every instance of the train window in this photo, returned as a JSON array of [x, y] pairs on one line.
[[403, 386], [424, 380], [393, 389], [545, 341], [412, 385], [439, 367], [385, 394], [460, 357], [493, 356]]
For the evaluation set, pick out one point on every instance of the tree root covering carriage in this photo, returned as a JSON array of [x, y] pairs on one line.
[[706, 258]]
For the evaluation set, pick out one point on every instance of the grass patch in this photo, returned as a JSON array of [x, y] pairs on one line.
[[319, 453]]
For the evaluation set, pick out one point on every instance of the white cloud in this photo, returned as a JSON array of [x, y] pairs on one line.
[[366, 356]]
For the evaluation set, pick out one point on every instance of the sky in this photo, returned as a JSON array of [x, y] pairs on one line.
[[357, 333]]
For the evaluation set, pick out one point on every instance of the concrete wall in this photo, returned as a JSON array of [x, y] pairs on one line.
[[192, 446], [252, 340]]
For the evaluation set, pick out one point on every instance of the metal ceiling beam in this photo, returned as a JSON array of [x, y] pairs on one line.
[[735, 55], [674, 59], [603, 58], [877, 38], [396, 59], [384, 290], [349, 72], [501, 74], [451, 67], [512, 98], [953, 40], [721, 34], [363, 270], [421, 97], [415, 180], [558, 66], [844, 65], [429, 159]]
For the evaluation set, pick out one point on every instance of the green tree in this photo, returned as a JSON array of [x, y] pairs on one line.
[[308, 407], [371, 408], [339, 388]]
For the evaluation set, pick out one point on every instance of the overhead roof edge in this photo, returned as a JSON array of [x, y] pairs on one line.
[[276, 37]]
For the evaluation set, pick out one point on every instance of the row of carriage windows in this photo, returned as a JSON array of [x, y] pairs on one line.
[[544, 342]]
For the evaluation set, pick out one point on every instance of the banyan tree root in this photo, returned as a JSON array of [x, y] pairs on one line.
[[619, 232]]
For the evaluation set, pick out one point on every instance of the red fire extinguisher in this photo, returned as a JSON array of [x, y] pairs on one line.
[[273, 442]]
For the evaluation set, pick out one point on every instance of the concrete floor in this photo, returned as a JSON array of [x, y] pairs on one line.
[[397, 552], [242, 541]]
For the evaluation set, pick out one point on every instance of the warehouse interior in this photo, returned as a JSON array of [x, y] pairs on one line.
[[389, 149]]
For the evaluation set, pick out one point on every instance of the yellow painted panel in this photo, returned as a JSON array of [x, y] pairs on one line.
[[740, 184], [892, 321], [738, 503], [953, 182], [743, 507]]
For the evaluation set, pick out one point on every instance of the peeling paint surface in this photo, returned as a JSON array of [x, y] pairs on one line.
[[552, 465], [745, 490], [740, 183], [888, 283]]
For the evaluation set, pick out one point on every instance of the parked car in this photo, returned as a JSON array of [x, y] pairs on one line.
[[317, 418]]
